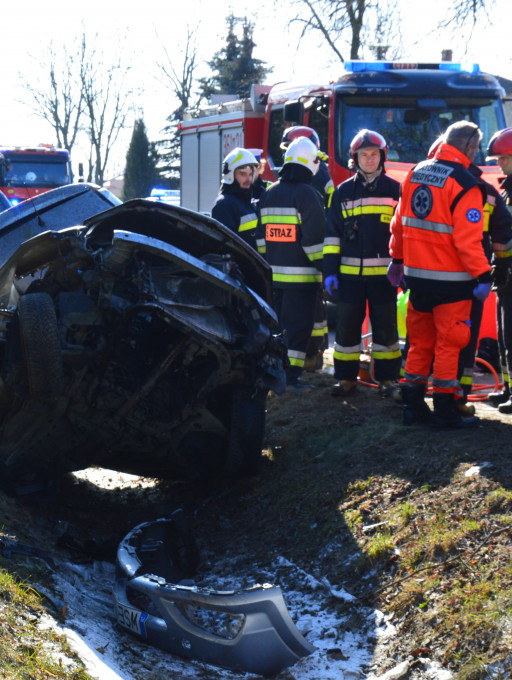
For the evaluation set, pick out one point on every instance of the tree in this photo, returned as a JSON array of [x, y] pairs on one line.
[[141, 172], [80, 93], [58, 96], [466, 13], [347, 26], [334, 19], [234, 66], [107, 102], [179, 79]]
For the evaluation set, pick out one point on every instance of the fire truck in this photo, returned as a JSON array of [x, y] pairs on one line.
[[30, 171], [410, 104]]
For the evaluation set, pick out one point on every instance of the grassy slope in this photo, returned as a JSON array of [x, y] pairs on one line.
[[344, 478], [439, 557]]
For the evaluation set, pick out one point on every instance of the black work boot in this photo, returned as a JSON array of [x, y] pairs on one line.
[[506, 407], [500, 396], [447, 416], [415, 409]]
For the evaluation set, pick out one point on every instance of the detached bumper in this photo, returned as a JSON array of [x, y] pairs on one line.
[[246, 631]]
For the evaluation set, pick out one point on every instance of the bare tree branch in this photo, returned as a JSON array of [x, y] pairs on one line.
[[107, 101], [57, 97]]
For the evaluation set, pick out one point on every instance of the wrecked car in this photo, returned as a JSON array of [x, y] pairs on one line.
[[156, 599], [140, 339]]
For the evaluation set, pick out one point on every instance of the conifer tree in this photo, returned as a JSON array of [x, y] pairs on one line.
[[234, 67], [140, 175]]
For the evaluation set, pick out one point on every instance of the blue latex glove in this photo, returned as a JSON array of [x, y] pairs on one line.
[[395, 273], [481, 292], [331, 284]]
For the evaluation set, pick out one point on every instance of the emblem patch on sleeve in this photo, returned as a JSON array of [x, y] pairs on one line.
[[474, 215]]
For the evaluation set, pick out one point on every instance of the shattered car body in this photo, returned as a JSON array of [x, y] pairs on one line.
[[141, 341], [248, 630]]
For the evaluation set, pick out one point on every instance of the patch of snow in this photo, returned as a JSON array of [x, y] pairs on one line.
[[475, 469], [350, 638]]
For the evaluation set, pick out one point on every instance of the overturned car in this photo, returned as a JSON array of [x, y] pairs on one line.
[[141, 340]]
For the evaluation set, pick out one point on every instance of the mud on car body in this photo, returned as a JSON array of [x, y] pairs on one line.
[[141, 341]]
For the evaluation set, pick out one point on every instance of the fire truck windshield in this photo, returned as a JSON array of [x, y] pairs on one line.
[[411, 124], [20, 173]]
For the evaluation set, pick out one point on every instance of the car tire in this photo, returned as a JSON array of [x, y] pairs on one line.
[[247, 431], [40, 346]]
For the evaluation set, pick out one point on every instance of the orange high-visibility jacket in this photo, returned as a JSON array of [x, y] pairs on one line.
[[438, 224]]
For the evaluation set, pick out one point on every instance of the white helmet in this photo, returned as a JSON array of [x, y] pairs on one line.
[[303, 152], [238, 158]]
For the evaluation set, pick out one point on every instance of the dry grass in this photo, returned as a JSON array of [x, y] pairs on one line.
[[343, 478]]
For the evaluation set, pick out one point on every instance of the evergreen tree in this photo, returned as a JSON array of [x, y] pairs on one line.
[[140, 175], [234, 67]]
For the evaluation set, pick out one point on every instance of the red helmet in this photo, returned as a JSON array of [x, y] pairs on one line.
[[435, 146], [296, 131], [368, 139], [500, 143]]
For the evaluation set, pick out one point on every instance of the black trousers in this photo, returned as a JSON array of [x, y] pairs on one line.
[[504, 320], [353, 296], [295, 309], [467, 355]]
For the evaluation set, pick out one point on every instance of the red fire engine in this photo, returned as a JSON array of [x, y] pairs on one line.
[[410, 104], [27, 172]]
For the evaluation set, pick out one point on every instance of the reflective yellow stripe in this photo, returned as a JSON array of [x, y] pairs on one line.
[[349, 270], [368, 210], [297, 278], [280, 219], [314, 257], [375, 271], [247, 226], [331, 250], [342, 356], [329, 191], [296, 358], [318, 332], [387, 355], [367, 271]]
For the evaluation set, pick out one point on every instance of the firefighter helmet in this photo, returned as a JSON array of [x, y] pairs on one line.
[[238, 158], [296, 131], [435, 146], [303, 152], [500, 144], [368, 139]]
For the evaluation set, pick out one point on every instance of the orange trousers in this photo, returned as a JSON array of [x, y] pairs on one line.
[[436, 339]]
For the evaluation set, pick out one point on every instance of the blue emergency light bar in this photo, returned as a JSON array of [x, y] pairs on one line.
[[358, 66]]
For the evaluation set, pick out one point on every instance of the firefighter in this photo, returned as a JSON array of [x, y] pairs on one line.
[[233, 206], [323, 183], [259, 185], [436, 244], [356, 258], [500, 147], [290, 235]]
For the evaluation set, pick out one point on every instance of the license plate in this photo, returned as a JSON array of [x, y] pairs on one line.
[[133, 619]]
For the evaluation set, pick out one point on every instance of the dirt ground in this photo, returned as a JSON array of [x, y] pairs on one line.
[[408, 521]]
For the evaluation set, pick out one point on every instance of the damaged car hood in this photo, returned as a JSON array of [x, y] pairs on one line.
[[148, 334]]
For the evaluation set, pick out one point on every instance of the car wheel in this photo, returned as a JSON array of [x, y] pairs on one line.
[[247, 431], [40, 346]]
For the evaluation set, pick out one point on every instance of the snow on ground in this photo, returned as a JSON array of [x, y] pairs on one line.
[[344, 651]]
